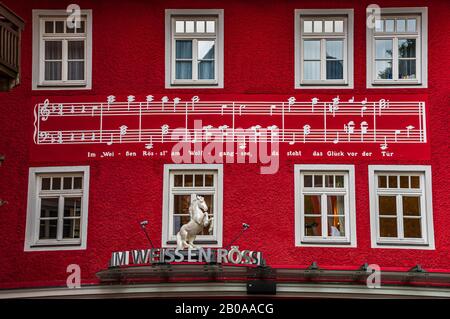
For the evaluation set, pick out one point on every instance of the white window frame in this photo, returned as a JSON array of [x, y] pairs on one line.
[[194, 15], [32, 242], [169, 240], [347, 82], [427, 241], [350, 239], [38, 82], [421, 50]]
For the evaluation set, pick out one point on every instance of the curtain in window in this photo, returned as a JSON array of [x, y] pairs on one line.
[[206, 60], [53, 60], [75, 60], [335, 67], [183, 56]]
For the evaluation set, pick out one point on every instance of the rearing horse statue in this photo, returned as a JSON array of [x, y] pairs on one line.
[[198, 210]]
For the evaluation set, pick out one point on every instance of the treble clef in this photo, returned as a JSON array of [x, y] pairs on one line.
[[45, 112]]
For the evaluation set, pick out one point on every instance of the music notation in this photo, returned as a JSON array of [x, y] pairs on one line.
[[290, 121]]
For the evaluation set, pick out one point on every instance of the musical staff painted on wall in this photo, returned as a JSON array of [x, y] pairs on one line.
[[290, 121]]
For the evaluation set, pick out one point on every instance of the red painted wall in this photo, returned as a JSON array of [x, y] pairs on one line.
[[128, 58]]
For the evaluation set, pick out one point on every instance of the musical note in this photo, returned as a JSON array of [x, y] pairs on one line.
[[314, 101], [408, 129], [72, 109], [164, 131], [385, 145], [130, 99], [364, 127], [336, 140], [273, 132], [93, 137], [123, 132], [149, 145], [291, 101], [195, 99], [223, 129], [110, 100], [363, 107], [351, 100], [240, 108], [83, 108], [255, 131], [148, 99], [175, 102], [272, 107], [110, 142], [224, 106], [396, 132], [335, 106], [44, 111], [382, 104], [95, 107], [306, 131], [349, 128], [164, 100], [292, 142], [59, 108]]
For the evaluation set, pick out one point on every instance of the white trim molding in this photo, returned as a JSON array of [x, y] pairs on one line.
[[347, 173], [216, 190], [32, 242], [38, 82], [422, 175], [195, 15], [346, 35], [420, 35]]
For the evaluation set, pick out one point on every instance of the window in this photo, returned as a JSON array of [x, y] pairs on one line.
[[194, 48], [401, 206], [397, 48], [324, 48], [180, 182], [325, 207], [57, 208], [62, 55]]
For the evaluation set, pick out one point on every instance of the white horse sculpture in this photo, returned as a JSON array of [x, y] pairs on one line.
[[198, 210]]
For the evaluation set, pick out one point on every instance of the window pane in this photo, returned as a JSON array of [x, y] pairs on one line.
[[206, 70], [389, 25], [329, 26], [412, 228], [392, 181], [336, 226], [179, 221], [71, 228], [379, 25], [406, 48], [383, 49], [53, 71], [49, 207], [72, 207], [335, 205], [48, 229], [70, 29], [189, 26], [415, 182], [205, 50], [311, 50], [81, 27], [53, 50], [382, 181], [383, 69], [209, 180], [335, 70], [209, 200], [338, 26], [318, 180], [199, 180], [388, 227], [183, 70], [317, 26], [200, 26], [334, 49], [411, 25], [181, 204], [307, 181], [411, 206], [67, 183], [307, 26], [187, 180], [48, 26], [311, 70], [75, 70], [387, 205], [312, 204], [401, 25], [183, 49], [178, 180], [339, 181], [313, 226], [329, 181], [77, 183], [75, 50], [210, 26], [179, 26], [407, 69], [56, 183], [404, 181], [59, 27], [45, 184]]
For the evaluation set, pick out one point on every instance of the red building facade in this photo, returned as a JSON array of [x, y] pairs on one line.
[[77, 180]]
